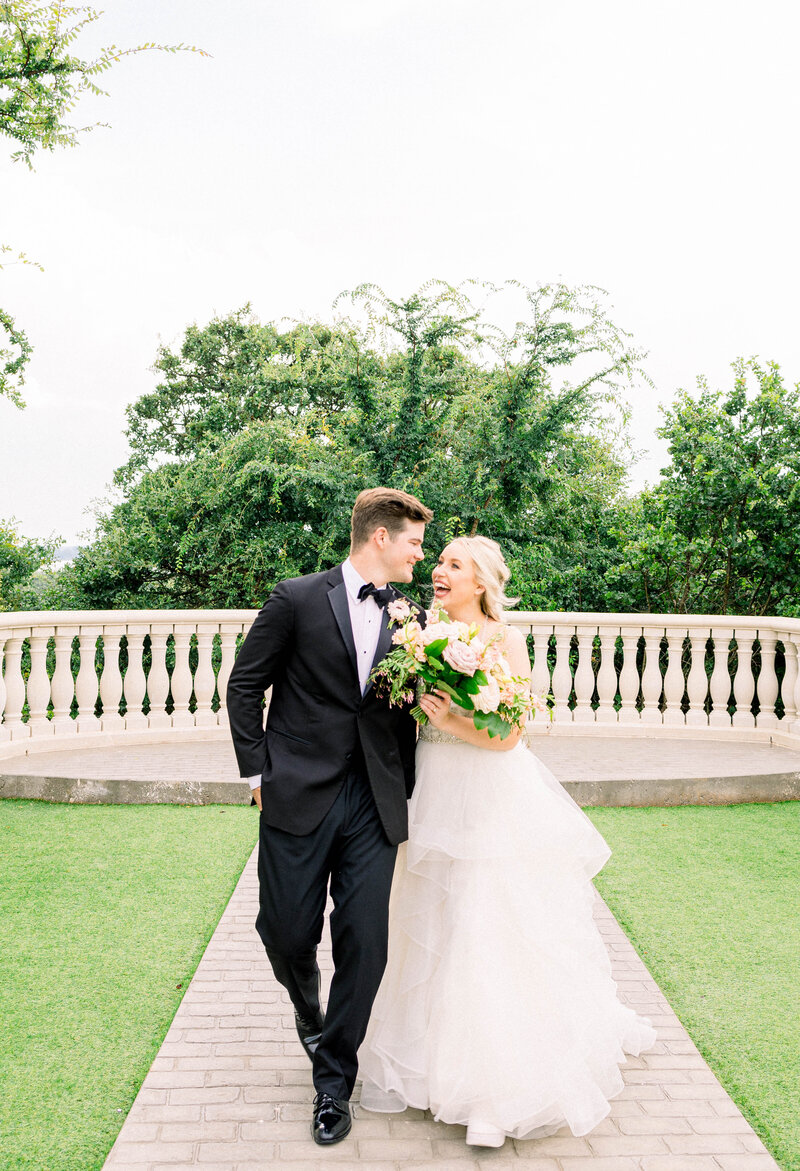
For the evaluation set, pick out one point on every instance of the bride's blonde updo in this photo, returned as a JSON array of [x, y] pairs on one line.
[[491, 572]]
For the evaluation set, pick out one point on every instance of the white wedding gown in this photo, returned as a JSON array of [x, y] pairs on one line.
[[497, 1009]]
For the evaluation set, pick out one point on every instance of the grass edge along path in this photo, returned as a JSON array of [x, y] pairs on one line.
[[105, 912], [708, 896]]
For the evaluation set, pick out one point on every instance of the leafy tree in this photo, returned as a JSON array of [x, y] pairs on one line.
[[41, 82], [20, 559], [218, 530], [247, 455], [720, 533], [228, 375]]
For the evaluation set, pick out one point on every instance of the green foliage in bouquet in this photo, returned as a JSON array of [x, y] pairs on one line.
[[498, 701], [494, 724]]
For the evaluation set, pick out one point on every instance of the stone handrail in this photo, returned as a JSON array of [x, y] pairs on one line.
[[643, 674]]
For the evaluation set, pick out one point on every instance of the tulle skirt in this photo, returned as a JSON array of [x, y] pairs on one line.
[[497, 1006]]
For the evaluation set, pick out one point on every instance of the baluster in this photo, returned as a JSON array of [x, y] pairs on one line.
[[135, 683], [674, 683], [562, 677], [584, 676], [86, 687], [789, 682], [540, 673], [794, 727], [39, 684], [228, 634], [158, 678], [4, 731], [111, 680], [15, 690], [629, 675], [720, 685], [525, 629], [767, 682], [744, 683], [652, 682], [607, 675], [63, 685], [182, 678], [204, 676], [697, 681]]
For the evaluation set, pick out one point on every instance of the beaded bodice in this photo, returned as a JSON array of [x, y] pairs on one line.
[[437, 736]]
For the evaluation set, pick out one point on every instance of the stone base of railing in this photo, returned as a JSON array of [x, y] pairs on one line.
[[119, 791]]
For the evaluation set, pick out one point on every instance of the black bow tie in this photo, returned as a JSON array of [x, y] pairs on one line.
[[382, 597]]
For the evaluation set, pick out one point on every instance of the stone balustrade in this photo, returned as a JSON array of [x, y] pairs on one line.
[[159, 674]]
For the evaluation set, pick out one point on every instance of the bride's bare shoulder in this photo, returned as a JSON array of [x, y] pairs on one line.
[[511, 637]]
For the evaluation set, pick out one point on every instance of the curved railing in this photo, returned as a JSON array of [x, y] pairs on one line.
[[159, 674]]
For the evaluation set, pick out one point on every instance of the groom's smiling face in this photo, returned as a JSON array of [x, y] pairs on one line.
[[402, 552]]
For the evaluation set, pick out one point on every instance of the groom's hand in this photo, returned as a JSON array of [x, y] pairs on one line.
[[256, 794]]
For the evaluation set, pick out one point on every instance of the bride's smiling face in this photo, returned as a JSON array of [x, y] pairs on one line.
[[454, 584]]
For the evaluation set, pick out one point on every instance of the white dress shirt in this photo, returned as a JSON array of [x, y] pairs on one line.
[[365, 620]]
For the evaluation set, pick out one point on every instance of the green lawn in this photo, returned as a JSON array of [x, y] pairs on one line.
[[710, 897], [104, 914]]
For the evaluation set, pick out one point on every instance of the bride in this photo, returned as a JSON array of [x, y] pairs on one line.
[[497, 1010]]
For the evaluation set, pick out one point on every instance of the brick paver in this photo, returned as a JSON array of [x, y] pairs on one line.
[[231, 1090]]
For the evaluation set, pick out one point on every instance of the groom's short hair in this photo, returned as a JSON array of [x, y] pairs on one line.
[[387, 508]]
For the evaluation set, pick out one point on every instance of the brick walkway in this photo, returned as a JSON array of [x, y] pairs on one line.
[[230, 1089]]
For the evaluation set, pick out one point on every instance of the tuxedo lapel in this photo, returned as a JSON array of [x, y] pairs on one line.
[[384, 644], [341, 612]]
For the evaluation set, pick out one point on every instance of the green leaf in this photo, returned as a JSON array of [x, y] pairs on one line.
[[493, 723]]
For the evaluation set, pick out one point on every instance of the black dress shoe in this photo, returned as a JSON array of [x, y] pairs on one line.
[[332, 1119], [309, 1030]]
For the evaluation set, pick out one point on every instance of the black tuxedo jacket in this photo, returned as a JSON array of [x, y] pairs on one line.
[[319, 725]]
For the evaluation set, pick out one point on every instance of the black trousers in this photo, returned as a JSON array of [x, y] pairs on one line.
[[349, 849]]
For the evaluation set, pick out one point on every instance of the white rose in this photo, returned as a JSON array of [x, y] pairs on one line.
[[398, 610], [488, 698]]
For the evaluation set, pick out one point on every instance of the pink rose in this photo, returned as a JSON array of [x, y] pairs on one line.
[[436, 630], [462, 657]]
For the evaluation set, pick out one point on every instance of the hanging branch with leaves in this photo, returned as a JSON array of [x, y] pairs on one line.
[[41, 83]]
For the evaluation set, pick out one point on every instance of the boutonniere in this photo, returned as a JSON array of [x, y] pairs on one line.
[[399, 610]]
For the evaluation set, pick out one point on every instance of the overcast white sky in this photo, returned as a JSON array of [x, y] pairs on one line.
[[649, 148]]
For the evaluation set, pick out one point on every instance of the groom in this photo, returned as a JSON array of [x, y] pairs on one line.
[[331, 774]]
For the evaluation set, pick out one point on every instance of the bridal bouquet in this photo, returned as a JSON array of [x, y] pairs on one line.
[[449, 656]]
